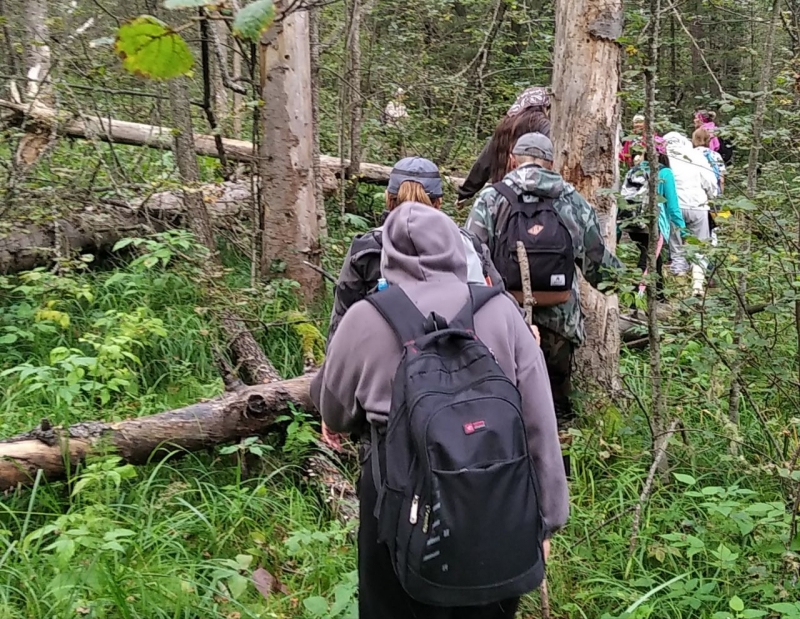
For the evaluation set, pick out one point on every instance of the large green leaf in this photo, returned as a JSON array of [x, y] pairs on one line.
[[150, 48], [253, 19], [188, 4]]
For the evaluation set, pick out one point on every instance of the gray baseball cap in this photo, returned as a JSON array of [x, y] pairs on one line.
[[534, 145], [419, 170]]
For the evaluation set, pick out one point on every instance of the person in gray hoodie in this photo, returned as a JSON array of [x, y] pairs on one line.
[[425, 256]]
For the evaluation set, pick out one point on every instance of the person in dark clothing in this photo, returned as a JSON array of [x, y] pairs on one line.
[[529, 114]]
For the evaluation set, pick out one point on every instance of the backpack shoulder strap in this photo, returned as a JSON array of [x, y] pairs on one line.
[[399, 312], [506, 191], [479, 295]]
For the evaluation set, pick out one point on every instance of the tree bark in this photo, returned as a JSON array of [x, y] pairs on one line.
[[657, 415], [752, 183], [37, 51], [248, 412], [286, 166], [586, 80], [236, 111], [221, 108], [246, 350], [353, 86], [186, 158], [313, 35]]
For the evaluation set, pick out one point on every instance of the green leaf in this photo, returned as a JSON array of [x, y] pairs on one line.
[[237, 585], [10, 338], [736, 604], [343, 594], [752, 613], [785, 608], [150, 48], [685, 479], [317, 606], [122, 243], [253, 19], [187, 4]]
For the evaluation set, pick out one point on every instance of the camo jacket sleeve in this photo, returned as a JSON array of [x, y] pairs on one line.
[[481, 218], [593, 257]]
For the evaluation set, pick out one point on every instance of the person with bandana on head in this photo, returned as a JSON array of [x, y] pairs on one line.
[[704, 119], [530, 113]]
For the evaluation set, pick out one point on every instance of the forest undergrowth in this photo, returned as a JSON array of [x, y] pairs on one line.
[[202, 537]]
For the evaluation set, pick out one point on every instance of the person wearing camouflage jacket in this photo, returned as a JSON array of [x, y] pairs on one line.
[[561, 326]]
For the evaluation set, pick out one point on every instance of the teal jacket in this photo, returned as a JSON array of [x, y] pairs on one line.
[[670, 209]]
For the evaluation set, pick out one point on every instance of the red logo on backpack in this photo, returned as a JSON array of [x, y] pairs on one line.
[[474, 426]]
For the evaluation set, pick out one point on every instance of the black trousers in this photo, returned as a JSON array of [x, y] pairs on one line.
[[380, 595], [642, 240], [558, 352]]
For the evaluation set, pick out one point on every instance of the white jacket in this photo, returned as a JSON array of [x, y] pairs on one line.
[[695, 180]]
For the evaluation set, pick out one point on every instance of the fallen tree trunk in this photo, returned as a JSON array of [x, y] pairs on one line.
[[96, 228], [54, 450], [153, 136]]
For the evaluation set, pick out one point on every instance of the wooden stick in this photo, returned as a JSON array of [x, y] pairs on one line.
[[525, 273], [528, 303]]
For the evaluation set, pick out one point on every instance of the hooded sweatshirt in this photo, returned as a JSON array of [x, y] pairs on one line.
[[424, 255], [695, 181], [362, 267]]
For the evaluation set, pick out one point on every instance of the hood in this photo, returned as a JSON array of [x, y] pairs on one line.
[[677, 144], [422, 244], [537, 180]]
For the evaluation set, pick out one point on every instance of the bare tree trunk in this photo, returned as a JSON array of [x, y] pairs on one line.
[[199, 219], [244, 346], [313, 35], [12, 63], [236, 112], [37, 51], [286, 166], [658, 422], [353, 85], [221, 108], [696, 30], [586, 80], [752, 182]]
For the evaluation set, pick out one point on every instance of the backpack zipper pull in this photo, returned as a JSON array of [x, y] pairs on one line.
[[412, 518]]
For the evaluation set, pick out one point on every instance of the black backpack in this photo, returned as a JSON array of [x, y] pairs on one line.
[[457, 504], [635, 197], [547, 242], [726, 150]]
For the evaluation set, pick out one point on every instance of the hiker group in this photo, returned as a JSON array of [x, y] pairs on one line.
[[449, 359], [691, 177]]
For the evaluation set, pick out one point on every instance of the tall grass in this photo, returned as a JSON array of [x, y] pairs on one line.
[[183, 538]]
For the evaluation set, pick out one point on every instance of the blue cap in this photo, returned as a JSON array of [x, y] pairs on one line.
[[419, 170]]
